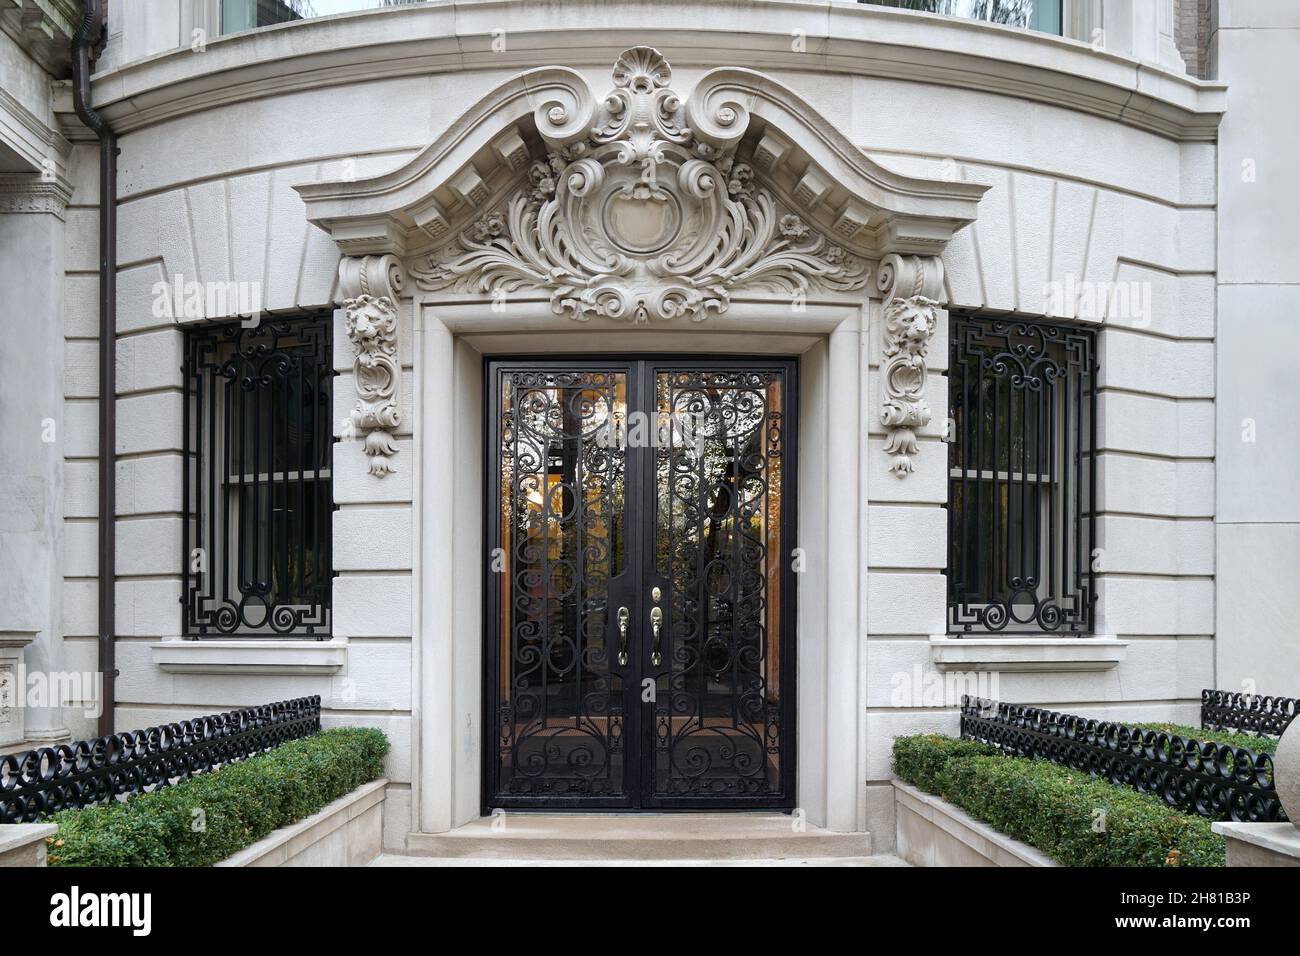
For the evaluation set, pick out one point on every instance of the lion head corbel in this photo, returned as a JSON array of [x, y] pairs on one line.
[[910, 320], [370, 315]]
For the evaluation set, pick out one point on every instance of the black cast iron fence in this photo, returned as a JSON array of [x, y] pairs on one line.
[[1246, 713], [1202, 777], [40, 782]]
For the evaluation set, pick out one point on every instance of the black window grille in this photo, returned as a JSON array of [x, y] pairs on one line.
[[258, 497], [1021, 477]]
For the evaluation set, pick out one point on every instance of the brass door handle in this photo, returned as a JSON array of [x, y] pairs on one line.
[[656, 623], [622, 637]]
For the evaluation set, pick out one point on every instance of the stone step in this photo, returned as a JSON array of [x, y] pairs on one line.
[[406, 859], [640, 836]]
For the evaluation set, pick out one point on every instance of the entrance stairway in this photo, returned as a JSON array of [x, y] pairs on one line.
[[644, 839]]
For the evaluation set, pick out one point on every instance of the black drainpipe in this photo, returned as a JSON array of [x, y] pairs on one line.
[[85, 43]]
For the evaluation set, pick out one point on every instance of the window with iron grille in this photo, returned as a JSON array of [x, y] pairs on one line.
[[258, 497], [1021, 477]]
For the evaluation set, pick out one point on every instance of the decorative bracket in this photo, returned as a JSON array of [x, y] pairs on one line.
[[368, 289], [912, 288]]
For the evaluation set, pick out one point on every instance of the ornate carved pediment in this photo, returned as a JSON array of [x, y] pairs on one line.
[[641, 204], [639, 219]]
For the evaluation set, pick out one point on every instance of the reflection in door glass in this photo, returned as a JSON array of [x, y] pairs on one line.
[[560, 725]]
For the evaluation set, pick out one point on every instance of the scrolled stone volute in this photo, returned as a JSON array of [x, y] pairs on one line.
[[565, 113], [718, 116]]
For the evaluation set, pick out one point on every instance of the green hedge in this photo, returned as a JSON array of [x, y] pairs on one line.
[[208, 817], [1054, 808], [920, 760]]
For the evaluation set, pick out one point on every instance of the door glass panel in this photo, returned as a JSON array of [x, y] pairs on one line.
[[718, 483], [562, 539]]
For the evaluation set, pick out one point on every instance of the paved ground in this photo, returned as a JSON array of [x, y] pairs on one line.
[[393, 859]]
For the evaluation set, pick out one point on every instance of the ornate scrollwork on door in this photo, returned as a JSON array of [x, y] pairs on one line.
[[561, 720], [718, 725], [638, 218], [641, 648]]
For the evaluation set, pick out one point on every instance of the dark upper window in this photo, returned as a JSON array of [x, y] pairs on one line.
[[1022, 476], [237, 15], [258, 498]]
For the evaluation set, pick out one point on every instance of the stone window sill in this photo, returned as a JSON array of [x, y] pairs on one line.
[[1010, 654], [282, 657]]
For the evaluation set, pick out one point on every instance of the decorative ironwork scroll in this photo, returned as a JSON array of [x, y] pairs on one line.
[[562, 538], [1022, 477], [718, 714], [40, 782], [258, 501], [1247, 713], [641, 647], [1202, 777]]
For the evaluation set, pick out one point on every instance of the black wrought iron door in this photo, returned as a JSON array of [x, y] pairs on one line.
[[640, 612]]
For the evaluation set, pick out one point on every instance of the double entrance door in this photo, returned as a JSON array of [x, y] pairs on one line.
[[640, 601]]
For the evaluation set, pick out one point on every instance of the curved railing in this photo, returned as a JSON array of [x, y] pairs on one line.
[[1247, 713]]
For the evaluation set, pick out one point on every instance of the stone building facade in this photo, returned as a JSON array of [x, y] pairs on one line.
[[493, 195]]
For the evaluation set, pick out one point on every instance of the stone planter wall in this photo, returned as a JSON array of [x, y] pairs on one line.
[[23, 844], [1260, 844], [348, 832], [932, 832]]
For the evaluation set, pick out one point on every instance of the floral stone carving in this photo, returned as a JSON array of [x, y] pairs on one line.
[[911, 288], [635, 218], [371, 285]]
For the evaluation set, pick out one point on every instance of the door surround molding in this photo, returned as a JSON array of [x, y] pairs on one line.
[[447, 675]]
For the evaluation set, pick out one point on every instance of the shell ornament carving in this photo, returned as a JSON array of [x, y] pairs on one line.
[[632, 218]]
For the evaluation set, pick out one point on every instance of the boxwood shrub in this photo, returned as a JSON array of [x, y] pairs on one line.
[[919, 760], [1056, 809], [208, 817]]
